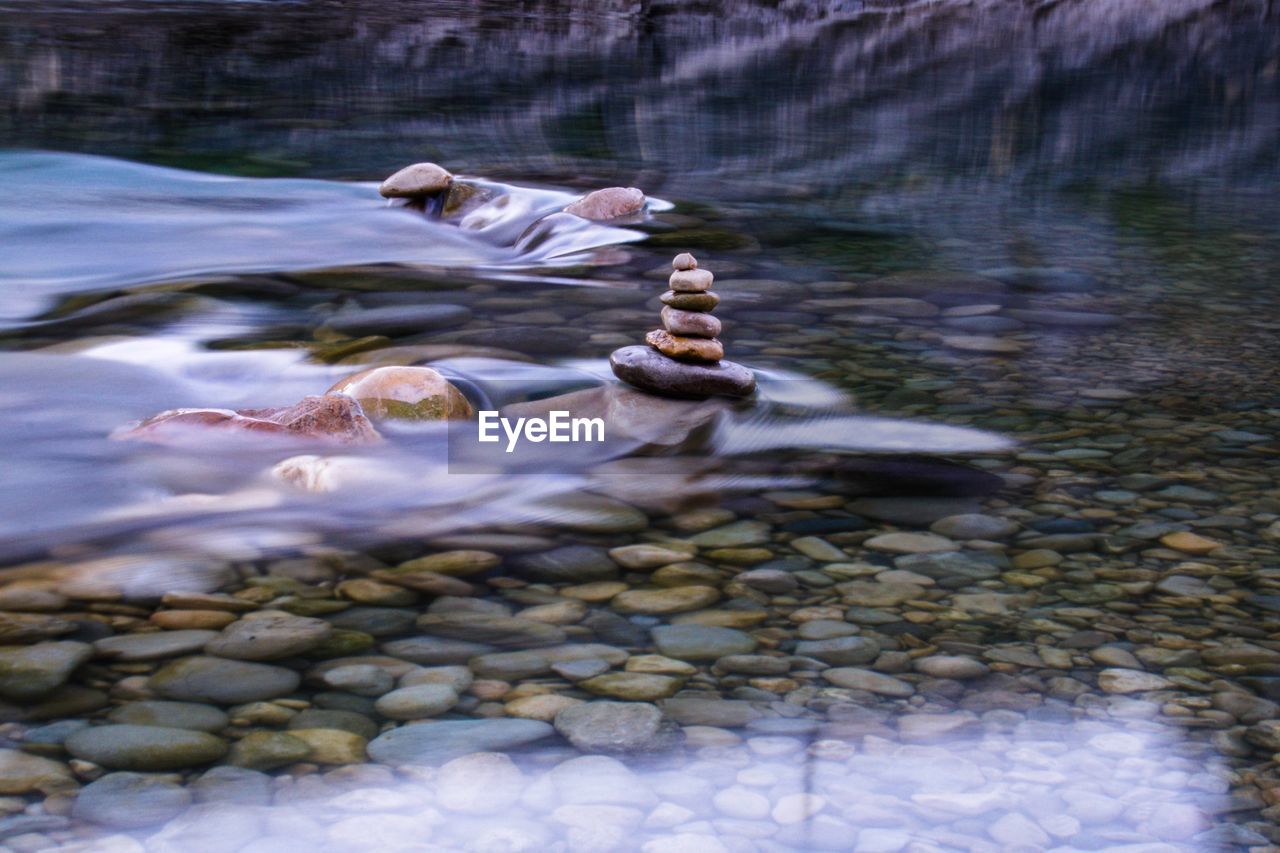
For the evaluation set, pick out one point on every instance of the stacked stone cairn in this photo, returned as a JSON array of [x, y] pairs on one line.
[[684, 358]]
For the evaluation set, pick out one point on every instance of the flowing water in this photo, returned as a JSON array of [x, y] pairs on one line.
[[989, 562]]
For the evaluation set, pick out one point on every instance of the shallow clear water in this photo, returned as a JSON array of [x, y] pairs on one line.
[[1000, 258]]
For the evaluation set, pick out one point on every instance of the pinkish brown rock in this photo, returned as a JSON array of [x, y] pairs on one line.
[[697, 324], [608, 203], [685, 349], [336, 420]]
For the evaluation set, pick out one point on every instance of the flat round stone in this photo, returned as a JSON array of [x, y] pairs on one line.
[[696, 324], [684, 261], [649, 370], [691, 301], [686, 349], [691, 281]]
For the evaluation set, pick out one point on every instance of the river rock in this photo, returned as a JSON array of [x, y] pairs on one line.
[[154, 645], [177, 715], [723, 713], [333, 746], [691, 281], [28, 673], [1131, 681], [130, 800], [955, 667], [842, 651], [461, 563], [608, 203], [491, 628], [133, 747], [872, 682], [685, 348], [438, 742], [269, 635], [404, 393], [910, 543], [691, 301], [267, 750], [416, 181], [618, 728], [330, 419], [632, 686], [531, 663], [436, 651], [661, 601], [417, 701], [701, 642], [568, 564], [21, 773], [222, 682], [974, 525], [698, 324], [31, 627]]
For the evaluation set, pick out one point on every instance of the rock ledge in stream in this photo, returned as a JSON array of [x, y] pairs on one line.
[[334, 419]]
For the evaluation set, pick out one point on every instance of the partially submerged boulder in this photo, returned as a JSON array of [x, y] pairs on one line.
[[333, 419], [404, 393], [416, 181], [608, 203]]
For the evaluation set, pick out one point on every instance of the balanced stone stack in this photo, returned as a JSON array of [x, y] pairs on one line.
[[684, 357]]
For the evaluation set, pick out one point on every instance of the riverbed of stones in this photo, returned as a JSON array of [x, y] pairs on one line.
[[794, 670], [1084, 656]]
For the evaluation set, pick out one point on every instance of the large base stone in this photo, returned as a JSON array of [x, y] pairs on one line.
[[649, 370]]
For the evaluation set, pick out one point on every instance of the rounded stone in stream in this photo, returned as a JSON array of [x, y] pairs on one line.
[[416, 181], [21, 773], [28, 673], [649, 370], [491, 628], [841, 651], [348, 721], [174, 715], [701, 642], [608, 203], [130, 747], [222, 681], [153, 645], [618, 728], [568, 564], [436, 743], [417, 702], [267, 635], [435, 651], [130, 800]]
